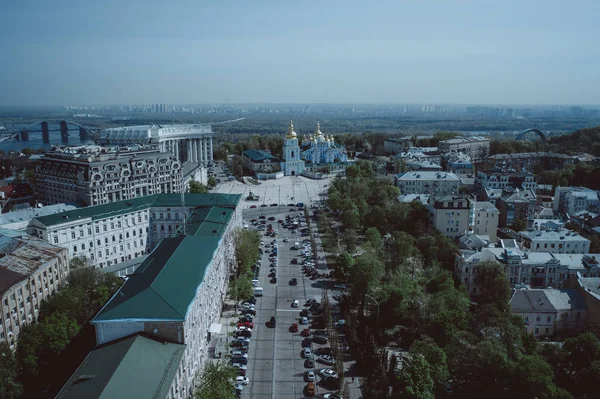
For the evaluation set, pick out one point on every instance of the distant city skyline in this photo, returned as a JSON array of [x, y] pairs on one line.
[[460, 52]]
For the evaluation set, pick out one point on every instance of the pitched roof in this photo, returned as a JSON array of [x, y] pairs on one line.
[[531, 301], [259, 155], [165, 284], [137, 204], [134, 367]]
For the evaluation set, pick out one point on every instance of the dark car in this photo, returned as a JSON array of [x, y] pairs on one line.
[[304, 313], [272, 218], [294, 261], [272, 322], [274, 204], [271, 274], [273, 280], [309, 364], [323, 351], [294, 281], [306, 342], [262, 216], [263, 205], [249, 311], [310, 302]]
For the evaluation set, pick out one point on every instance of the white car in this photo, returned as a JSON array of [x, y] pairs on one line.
[[310, 376], [239, 354], [340, 286], [304, 320], [241, 329], [295, 303], [286, 240], [327, 359], [242, 380], [328, 373], [306, 352], [239, 366]]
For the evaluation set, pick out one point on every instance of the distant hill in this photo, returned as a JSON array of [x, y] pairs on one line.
[[583, 140]]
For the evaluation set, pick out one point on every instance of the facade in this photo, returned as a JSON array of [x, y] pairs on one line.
[[420, 154], [138, 366], [457, 162], [485, 179], [259, 161], [433, 183], [92, 175], [321, 149], [536, 269], [474, 146], [106, 235], [557, 241], [176, 294], [189, 143], [292, 164], [423, 165], [516, 205], [569, 200], [394, 145], [485, 220], [548, 311], [30, 271], [451, 215], [528, 160]]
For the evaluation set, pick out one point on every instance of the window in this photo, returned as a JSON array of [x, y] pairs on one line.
[[537, 331], [89, 231], [74, 248], [106, 240], [549, 319], [107, 252], [72, 235], [97, 229], [547, 331], [99, 242], [82, 247], [56, 239], [537, 318]]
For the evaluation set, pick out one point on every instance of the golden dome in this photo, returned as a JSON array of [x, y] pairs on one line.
[[318, 131], [291, 133]]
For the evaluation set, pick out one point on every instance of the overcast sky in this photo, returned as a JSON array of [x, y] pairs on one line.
[[56, 52]]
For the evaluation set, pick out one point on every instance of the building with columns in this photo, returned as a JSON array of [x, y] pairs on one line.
[[94, 175], [189, 143]]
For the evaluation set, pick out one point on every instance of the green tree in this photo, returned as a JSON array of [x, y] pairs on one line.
[[9, 386], [519, 225], [435, 356], [246, 250], [343, 266], [212, 182], [349, 238], [373, 240], [78, 262], [197, 188], [216, 382], [241, 288], [57, 331], [492, 285], [416, 379]]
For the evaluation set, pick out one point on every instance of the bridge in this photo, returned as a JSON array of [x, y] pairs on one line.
[[84, 131], [536, 131]]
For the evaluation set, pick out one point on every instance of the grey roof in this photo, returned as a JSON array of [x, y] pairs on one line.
[[24, 215], [590, 284], [525, 301], [134, 367], [566, 299]]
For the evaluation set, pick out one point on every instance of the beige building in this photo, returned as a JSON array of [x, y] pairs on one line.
[[30, 271], [475, 147], [451, 215], [485, 221]]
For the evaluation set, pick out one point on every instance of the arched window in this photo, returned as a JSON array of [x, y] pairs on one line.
[[74, 248], [82, 247]]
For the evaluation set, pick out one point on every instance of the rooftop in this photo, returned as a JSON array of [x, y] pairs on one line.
[[428, 175], [531, 300], [25, 215], [133, 367], [485, 206], [461, 140], [545, 235], [260, 155], [524, 155], [99, 212]]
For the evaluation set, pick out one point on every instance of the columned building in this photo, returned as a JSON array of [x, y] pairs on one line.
[[189, 143]]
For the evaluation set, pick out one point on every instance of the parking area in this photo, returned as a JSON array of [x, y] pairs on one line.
[[276, 366]]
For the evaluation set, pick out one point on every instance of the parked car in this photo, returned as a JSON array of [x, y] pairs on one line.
[[309, 375], [306, 352], [294, 328], [273, 280], [304, 320], [320, 339], [305, 332], [308, 363], [310, 302], [239, 360], [327, 359], [310, 389], [328, 373], [295, 303], [242, 380], [306, 343], [294, 281]]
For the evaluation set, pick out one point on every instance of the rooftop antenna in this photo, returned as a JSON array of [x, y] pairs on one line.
[[183, 209]]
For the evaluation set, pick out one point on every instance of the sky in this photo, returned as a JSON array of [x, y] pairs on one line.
[[64, 52]]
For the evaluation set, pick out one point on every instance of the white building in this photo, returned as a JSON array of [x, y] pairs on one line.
[[394, 145], [556, 241], [189, 143], [292, 164], [21, 220], [487, 179], [177, 293], [452, 215], [425, 182], [109, 234], [31, 270], [485, 219], [474, 146], [569, 200]]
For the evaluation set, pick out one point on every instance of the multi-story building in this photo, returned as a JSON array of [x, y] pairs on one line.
[[537, 269], [569, 200], [21, 220], [457, 162], [486, 179], [176, 294], [420, 154], [433, 183], [516, 205], [485, 219], [451, 214], [260, 161], [547, 311], [556, 241], [474, 146], [109, 234], [30, 271], [92, 175], [394, 145], [528, 160], [189, 143]]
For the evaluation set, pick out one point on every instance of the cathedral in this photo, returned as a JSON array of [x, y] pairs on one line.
[[315, 151]]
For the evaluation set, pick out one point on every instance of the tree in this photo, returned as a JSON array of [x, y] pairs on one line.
[[57, 331], [373, 240], [492, 285], [343, 266], [349, 238], [197, 188], [78, 262], [9, 386], [241, 288], [435, 357], [519, 225], [212, 182], [246, 250], [416, 380], [216, 382]]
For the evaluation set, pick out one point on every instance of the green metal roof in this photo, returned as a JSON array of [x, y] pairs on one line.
[[211, 222], [259, 155], [134, 367], [165, 284], [137, 204]]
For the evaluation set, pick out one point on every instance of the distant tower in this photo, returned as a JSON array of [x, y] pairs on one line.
[[293, 165]]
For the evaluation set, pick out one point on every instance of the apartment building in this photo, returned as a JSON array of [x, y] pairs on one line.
[[93, 175], [485, 179], [515, 205], [394, 145], [474, 146], [570, 200], [485, 220], [176, 294], [451, 215], [536, 269], [426, 182], [528, 160], [108, 234], [30, 271], [559, 241]]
